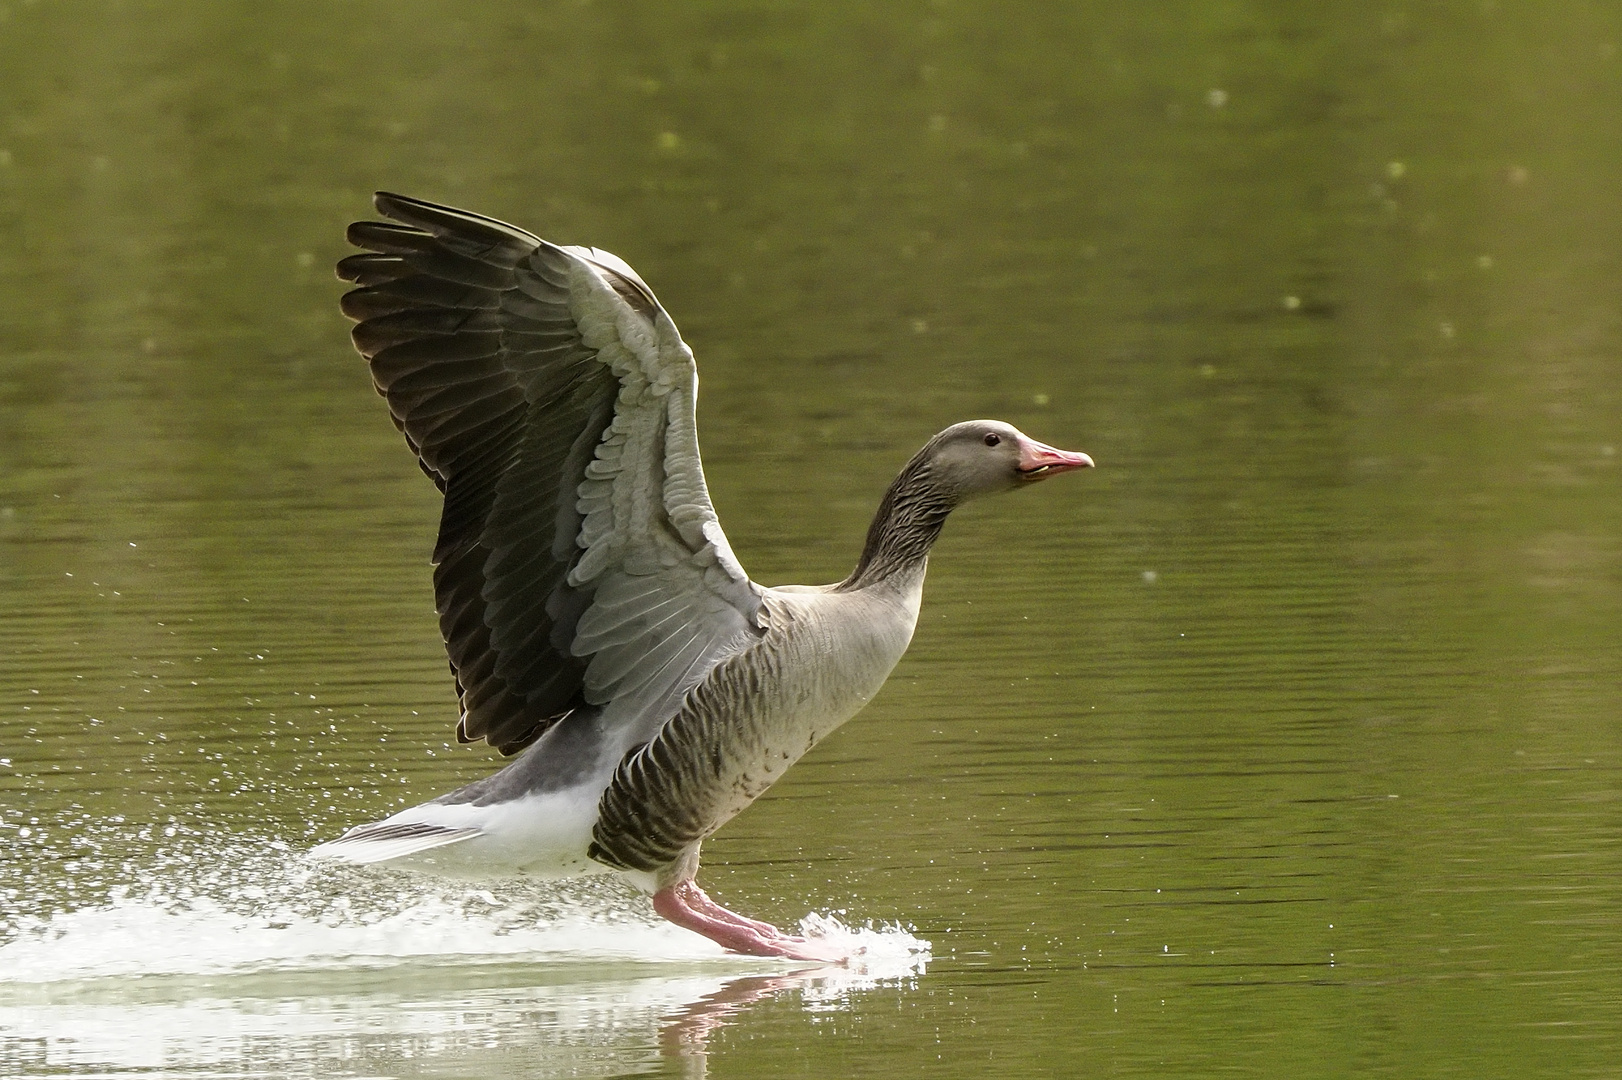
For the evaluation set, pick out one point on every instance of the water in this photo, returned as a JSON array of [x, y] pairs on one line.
[[253, 959], [1286, 742]]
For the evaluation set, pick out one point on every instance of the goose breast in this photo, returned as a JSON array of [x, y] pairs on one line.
[[824, 655]]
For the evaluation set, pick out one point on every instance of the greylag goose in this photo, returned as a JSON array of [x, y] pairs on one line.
[[597, 622]]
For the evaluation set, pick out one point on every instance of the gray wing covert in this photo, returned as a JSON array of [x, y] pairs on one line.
[[550, 399]]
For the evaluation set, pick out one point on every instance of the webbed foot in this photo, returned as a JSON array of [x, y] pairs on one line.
[[686, 905]]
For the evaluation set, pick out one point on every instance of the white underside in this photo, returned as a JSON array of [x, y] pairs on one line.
[[542, 836]]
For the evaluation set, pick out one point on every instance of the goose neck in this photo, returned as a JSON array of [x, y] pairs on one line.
[[908, 522]]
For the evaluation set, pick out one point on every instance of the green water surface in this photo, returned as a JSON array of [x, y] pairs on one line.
[[1288, 742]]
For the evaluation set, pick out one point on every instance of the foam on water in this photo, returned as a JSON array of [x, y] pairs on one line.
[[250, 961], [143, 937], [258, 909], [153, 935]]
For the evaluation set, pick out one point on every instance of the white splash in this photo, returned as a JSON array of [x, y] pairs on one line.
[[139, 937], [159, 934], [254, 963]]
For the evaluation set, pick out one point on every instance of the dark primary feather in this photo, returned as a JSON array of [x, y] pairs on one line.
[[465, 322]]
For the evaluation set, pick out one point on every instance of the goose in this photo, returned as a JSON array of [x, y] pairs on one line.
[[598, 625]]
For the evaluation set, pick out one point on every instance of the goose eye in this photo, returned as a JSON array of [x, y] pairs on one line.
[[992, 439]]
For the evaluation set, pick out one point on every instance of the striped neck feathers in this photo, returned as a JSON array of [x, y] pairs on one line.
[[908, 522]]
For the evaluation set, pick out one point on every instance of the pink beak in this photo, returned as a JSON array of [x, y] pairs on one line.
[[1039, 460]]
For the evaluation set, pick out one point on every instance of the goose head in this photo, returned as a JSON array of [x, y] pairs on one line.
[[982, 457]]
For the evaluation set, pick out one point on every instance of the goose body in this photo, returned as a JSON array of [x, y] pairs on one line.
[[597, 622]]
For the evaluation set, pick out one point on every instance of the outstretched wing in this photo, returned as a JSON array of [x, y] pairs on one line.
[[549, 396]]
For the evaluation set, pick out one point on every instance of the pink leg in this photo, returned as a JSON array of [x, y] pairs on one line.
[[699, 900], [686, 905]]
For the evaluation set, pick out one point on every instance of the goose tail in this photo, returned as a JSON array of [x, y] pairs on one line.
[[382, 841]]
